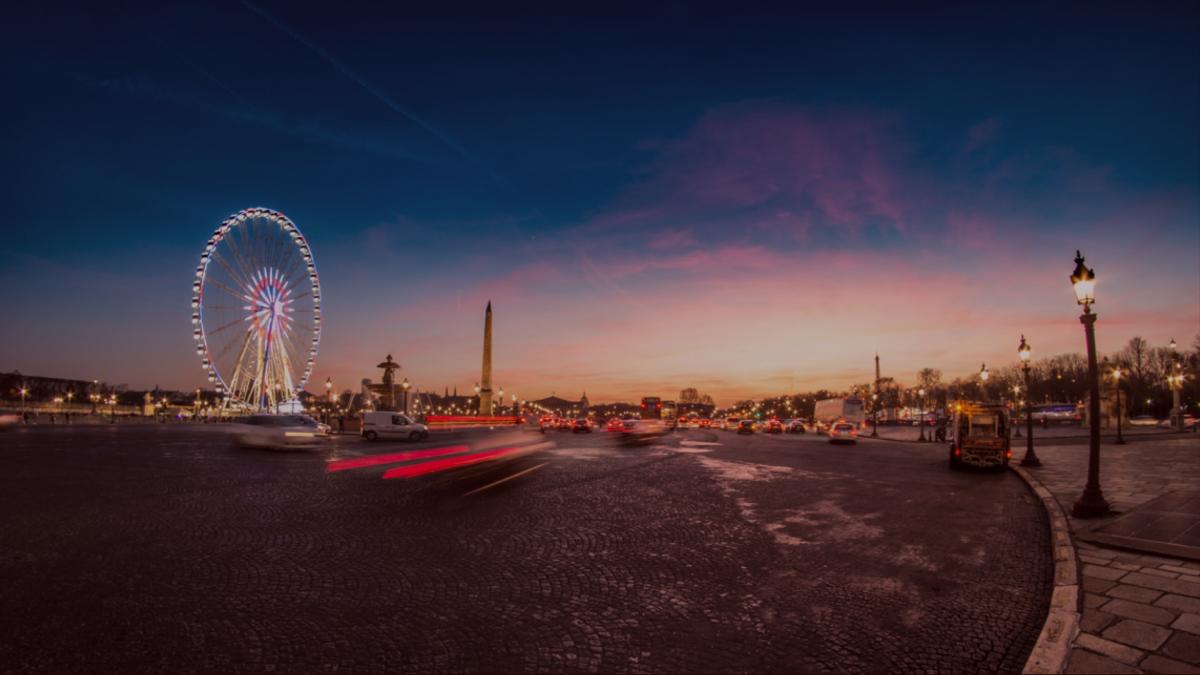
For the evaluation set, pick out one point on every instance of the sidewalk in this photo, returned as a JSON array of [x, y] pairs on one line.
[[1141, 613], [1053, 433]]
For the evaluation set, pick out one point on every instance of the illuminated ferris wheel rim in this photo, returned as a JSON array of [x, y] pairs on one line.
[[198, 331]]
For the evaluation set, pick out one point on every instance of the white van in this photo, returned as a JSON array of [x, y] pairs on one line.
[[383, 423]]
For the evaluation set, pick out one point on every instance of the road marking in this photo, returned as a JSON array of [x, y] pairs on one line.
[[698, 443], [508, 478]]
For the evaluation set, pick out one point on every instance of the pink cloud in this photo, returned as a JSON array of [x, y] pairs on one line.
[[840, 167]]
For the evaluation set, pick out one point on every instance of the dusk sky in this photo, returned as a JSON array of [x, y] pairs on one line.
[[652, 197]]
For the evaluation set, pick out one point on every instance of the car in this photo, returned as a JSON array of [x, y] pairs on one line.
[[773, 427], [547, 423], [279, 432], [642, 432], [565, 424], [704, 423], [745, 427], [1189, 422], [795, 427], [730, 424], [843, 432], [582, 425], [379, 423], [1143, 421], [681, 423], [615, 424], [9, 421]]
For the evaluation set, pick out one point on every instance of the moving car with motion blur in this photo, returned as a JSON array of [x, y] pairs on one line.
[[614, 424], [1143, 421], [980, 436], [381, 423], [279, 432], [745, 427], [843, 432], [730, 424], [704, 423], [642, 432], [773, 427], [581, 425], [565, 424], [795, 427]]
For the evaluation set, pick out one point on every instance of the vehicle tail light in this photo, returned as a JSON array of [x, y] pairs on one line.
[[1008, 455], [958, 452]]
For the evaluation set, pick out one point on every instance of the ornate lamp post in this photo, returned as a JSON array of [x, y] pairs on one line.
[[478, 402], [1175, 379], [1116, 375], [1091, 503], [921, 413], [404, 387], [501, 399], [983, 378], [874, 415], [1024, 351], [1016, 406], [329, 399]]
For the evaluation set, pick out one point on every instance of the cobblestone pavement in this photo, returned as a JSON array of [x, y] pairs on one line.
[[137, 549], [1141, 613]]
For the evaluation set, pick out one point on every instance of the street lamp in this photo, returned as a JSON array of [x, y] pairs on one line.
[[1024, 351], [921, 413], [1016, 389], [1091, 503], [1176, 381], [983, 378], [404, 387], [1116, 375], [874, 416]]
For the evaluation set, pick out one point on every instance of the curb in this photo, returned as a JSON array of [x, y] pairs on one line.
[[1054, 643]]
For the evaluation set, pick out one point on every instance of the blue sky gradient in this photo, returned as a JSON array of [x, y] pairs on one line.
[[653, 197]]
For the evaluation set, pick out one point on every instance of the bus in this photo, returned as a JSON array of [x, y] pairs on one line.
[[652, 408], [831, 410], [670, 414]]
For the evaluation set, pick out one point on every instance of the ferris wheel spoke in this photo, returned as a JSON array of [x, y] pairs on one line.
[[217, 330], [238, 278], [216, 282]]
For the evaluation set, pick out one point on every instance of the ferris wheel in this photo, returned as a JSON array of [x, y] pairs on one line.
[[256, 310]]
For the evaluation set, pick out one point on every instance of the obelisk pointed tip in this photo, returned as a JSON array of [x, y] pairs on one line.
[[489, 307]]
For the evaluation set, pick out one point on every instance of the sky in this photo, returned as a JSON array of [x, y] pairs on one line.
[[653, 196]]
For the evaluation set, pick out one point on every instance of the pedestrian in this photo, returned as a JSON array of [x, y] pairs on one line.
[[341, 424], [51, 418]]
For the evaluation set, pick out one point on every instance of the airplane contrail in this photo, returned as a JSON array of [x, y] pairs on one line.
[[372, 89]]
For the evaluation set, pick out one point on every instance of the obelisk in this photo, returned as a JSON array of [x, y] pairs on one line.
[[485, 380]]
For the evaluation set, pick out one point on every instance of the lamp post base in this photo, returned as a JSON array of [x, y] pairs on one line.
[[1030, 459], [1091, 504]]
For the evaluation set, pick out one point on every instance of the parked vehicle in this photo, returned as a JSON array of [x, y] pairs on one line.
[[980, 437], [381, 423], [843, 432]]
